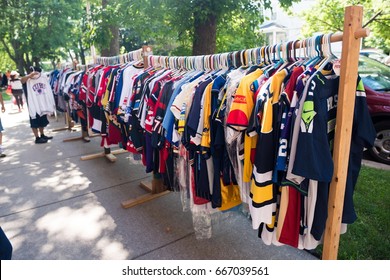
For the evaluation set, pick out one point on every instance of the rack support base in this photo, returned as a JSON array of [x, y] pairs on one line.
[[155, 188], [79, 138], [110, 155]]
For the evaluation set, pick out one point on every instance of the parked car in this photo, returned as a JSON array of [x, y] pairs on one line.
[[373, 54], [376, 79]]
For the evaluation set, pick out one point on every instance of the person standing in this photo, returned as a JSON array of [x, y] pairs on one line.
[[5, 246], [16, 89], [40, 102], [1, 127], [5, 78]]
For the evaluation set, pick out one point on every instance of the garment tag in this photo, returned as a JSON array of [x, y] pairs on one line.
[[336, 67]]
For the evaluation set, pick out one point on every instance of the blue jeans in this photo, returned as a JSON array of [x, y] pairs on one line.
[[5, 246]]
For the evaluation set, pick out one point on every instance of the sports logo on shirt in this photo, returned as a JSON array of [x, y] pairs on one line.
[[240, 99], [39, 88], [308, 115]]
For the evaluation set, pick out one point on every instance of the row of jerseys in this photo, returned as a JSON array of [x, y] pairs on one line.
[[258, 135], [65, 84]]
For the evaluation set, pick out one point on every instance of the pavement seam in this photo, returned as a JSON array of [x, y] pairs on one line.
[[163, 246]]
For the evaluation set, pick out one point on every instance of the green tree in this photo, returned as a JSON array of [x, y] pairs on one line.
[[203, 21], [176, 27], [35, 30], [328, 16], [138, 22], [5, 62]]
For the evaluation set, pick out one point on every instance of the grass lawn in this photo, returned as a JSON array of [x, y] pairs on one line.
[[368, 238]]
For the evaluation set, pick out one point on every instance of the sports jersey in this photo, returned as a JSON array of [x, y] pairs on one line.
[[125, 83], [242, 104], [158, 133], [185, 97], [194, 116], [233, 137], [263, 191], [363, 136], [317, 123], [288, 99], [317, 126], [205, 133]]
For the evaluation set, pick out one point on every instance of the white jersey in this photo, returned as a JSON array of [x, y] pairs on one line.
[[40, 97]]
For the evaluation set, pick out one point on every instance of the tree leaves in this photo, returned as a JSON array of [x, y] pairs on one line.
[[328, 16]]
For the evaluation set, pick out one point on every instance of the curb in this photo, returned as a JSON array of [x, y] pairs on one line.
[[376, 165]]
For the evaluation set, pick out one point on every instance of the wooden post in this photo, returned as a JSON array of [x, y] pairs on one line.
[[146, 51], [345, 110]]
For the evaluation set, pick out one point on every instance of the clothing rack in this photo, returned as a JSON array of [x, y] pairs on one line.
[[350, 38]]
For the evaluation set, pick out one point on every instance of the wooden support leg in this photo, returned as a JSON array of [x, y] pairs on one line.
[[84, 136], [70, 124], [72, 139], [110, 155], [156, 188]]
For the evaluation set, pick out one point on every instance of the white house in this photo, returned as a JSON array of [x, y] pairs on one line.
[[280, 27]]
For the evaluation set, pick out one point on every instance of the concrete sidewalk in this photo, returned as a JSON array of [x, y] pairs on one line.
[[54, 206]]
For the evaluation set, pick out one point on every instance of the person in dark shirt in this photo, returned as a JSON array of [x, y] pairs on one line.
[[1, 127], [5, 246]]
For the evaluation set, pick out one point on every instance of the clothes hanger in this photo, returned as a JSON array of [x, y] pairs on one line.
[[276, 62], [329, 54], [260, 56], [310, 53], [293, 55], [320, 46], [285, 56], [243, 58]]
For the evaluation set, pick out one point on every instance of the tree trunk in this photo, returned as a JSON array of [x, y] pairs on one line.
[[28, 63], [113, 49], [37, 61], [82, 53], [205, 35], [20, 64]]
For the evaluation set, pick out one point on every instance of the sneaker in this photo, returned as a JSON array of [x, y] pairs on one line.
[[86, 139], [40, 140], [47, 137]]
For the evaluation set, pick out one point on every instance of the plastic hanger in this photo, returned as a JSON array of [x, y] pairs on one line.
[[329, 55]]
